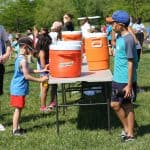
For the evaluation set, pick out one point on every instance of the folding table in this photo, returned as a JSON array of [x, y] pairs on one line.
[[102, 76]]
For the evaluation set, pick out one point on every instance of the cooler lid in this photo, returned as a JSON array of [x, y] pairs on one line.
[[69, 42], [65, 47], [71, 32], [96, 35]]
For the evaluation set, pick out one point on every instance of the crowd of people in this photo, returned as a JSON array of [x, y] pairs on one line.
[[125, 41]]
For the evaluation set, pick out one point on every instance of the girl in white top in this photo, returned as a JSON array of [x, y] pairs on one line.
[[138, 29], [85, 27], [55, 33]]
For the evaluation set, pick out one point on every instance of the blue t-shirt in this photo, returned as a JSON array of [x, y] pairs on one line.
[[16, 47], [19, 85], [125, 49], [108, 31]]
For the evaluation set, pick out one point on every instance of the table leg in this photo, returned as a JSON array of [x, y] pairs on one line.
[[57, 115], [63, 96]]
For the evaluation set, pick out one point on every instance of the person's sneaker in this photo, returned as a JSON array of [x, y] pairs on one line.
[[23, 130], [52, 105], [17, 132], [2, 128], [44, 109], [123, 134], [129, 138]]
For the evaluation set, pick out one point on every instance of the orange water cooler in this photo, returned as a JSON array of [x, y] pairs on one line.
[[65, 60], [97, 52], [71, 35]]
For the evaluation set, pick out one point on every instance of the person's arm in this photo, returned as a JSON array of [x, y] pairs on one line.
[[133, 34], [128, 88], [113, 41], [4, 37], [46, 69], [27, 75], [5, 57], [42, 58]]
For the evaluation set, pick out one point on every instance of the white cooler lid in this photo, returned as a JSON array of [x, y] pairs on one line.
[[65, 47], [96, 35], [71, 32], [69, 42]]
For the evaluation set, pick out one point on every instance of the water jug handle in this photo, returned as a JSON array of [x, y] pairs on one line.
[[97, 44], [68, 55]]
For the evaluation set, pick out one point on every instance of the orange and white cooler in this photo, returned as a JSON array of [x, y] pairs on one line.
[[97, 52], [65, 60]]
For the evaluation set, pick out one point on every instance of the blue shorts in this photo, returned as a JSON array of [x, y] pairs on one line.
[[118, 94], [40, 68]]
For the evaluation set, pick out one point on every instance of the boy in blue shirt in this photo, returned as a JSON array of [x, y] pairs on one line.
[[125, 76], [19, 87]]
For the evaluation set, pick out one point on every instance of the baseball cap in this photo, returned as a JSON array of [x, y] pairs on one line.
[[119, 16], [26, 40]]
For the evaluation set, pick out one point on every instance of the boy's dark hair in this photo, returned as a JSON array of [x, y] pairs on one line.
[[26, 41]]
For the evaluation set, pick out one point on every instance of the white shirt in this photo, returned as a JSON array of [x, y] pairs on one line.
[[54, 36], [85, 29], [138, 27]]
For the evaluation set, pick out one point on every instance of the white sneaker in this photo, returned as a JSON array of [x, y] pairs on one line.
[[2, 128], [123, 134]]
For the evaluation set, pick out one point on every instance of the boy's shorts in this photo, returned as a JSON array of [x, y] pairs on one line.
[[17, 101], [118, 94]]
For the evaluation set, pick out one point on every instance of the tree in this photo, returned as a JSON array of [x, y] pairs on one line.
[[17, 16], [49, 11]]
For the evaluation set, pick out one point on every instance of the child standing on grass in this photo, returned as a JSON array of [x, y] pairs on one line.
[[125, 76], [19, 83]]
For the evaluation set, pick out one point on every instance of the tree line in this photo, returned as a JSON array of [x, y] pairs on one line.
[[18, 15]]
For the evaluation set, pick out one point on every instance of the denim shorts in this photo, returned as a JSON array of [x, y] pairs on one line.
[[118, 94]]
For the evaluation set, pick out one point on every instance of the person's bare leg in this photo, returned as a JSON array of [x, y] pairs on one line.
[[53, 92], [43, 96], [16, 118], [121, 114], [130, 119]]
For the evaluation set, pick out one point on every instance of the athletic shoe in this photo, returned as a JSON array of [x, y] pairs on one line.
[[44, 109], [52, 105], [129, 138], [2, 128], [123, 134], [17, 132], [22, 130]]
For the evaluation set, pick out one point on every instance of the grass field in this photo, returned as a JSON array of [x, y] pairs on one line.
[[81, 128]]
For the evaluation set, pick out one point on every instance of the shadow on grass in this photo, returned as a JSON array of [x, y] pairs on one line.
[[95, 117], [33, 117], [145, 88], [143, 129], [146, 51]]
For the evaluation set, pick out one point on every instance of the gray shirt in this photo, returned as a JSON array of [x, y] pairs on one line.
[[3, 37]]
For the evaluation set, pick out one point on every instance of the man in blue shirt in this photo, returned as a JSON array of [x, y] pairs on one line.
[[4, 55], [125, 76]]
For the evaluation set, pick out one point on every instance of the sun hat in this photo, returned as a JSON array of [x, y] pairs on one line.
[[26, 40], [56, 25], [119, 16]]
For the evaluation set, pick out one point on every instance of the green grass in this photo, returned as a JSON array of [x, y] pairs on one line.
[[81, 128]]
